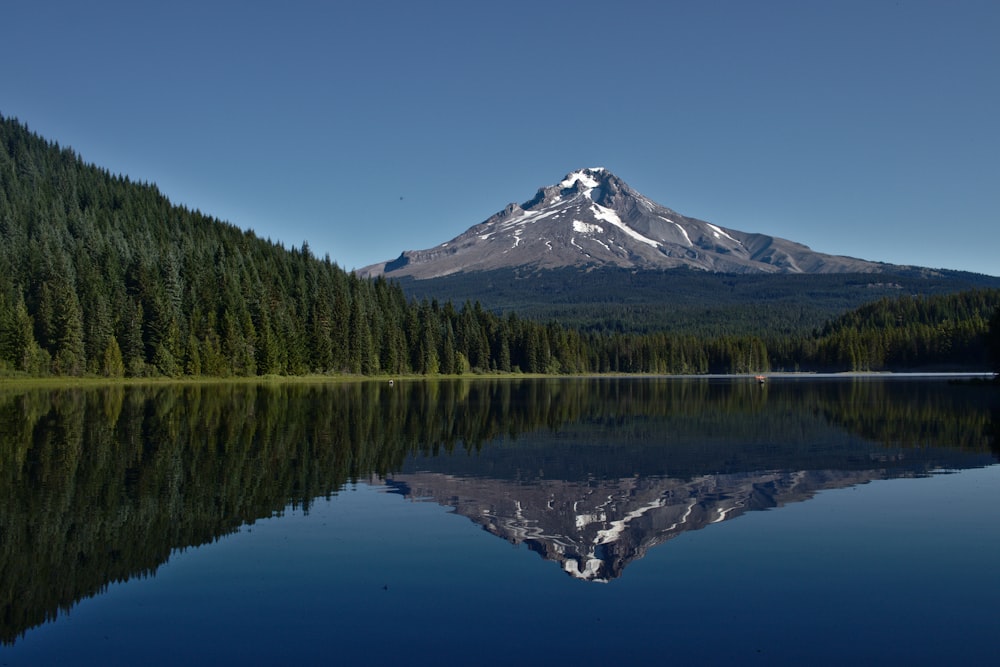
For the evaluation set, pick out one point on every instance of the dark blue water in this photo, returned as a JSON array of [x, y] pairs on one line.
[[569, 540]]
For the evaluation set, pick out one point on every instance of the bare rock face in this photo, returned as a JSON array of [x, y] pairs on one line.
[[593, 219]]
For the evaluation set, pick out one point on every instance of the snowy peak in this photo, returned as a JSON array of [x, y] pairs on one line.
[[591, 218], [588, 178], [588, 183], [596, 183]]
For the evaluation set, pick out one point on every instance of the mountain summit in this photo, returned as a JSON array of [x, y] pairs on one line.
[[593, 219]]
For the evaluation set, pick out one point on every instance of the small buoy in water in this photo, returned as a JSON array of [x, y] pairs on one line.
[[390, 383]]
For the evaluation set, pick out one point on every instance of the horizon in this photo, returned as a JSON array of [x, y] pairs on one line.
[[314, 124]]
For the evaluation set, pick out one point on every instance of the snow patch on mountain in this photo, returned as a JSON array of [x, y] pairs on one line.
[[527, 217], [680, 228], [608, 215], [583, 177], [718, 233], [586, 227]]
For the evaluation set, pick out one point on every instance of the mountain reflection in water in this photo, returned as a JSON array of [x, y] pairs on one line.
[[594, 530], [101, 485], [595, 494]]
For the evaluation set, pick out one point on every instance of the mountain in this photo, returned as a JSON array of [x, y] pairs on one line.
[[593, 219], [592, 253]]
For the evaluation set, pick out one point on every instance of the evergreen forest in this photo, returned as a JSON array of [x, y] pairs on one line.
[[104, 276]]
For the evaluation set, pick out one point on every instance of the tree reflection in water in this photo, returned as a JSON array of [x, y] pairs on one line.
[[101, 485]]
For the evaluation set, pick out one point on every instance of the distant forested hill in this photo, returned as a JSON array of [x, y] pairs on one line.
[[103, 276], [909, 332], [685, 301]]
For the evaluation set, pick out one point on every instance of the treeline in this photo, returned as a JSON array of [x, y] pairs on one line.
[[103, 276], [687, 301], [906, 332], [952, 331]]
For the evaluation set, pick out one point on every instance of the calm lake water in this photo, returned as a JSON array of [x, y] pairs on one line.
[[803, 521]]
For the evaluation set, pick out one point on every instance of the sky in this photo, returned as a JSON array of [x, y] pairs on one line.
[[865, 128]]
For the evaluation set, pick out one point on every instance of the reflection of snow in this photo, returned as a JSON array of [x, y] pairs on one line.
[[724, 511], [617, 527], [584, 520], [589, 572], [684, 518], [594, 530]]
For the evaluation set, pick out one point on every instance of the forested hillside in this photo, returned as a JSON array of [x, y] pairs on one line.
[[909, 332], [103, 276], [100, 275], [686, 301]]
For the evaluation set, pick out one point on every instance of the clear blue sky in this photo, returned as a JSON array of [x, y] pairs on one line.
[[864, 128]]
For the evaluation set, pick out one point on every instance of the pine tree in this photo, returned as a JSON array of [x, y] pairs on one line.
[[448, 359], [192, 356], [133, 348], [993, 340], [17, 342], [67, 332]]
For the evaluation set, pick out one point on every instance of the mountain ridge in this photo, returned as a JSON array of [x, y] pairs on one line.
[[593, 219]]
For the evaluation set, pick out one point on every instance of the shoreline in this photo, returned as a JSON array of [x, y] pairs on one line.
[[83, 382]]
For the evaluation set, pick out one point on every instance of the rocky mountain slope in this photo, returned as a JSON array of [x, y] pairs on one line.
[[593, 219]]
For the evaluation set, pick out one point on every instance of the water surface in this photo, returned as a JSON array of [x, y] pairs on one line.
[[496, 521]]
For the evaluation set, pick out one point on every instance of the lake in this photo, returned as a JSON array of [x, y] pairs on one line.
[[502, 521]]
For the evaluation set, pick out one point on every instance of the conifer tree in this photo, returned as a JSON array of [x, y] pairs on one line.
[[993, 340], [17, 341], [133, 348], [66, 331], [192, 356]]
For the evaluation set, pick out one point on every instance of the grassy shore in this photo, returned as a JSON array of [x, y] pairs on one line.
[[60, 382], [63, 382]]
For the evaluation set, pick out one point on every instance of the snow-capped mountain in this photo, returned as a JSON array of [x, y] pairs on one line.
[[591, 219]]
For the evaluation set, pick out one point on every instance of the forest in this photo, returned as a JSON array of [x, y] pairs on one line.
[[103, 276], [687, 301]]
